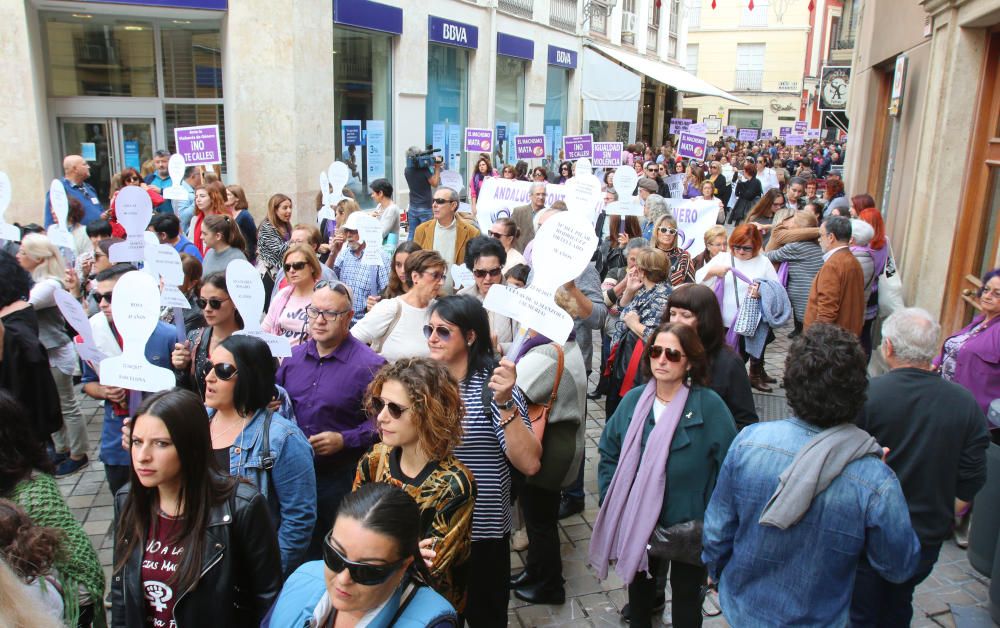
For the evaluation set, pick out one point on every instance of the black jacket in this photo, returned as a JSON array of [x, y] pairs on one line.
[[240, 574], [729, 379]]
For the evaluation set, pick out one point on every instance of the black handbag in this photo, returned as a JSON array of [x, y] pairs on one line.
[[680, 542]]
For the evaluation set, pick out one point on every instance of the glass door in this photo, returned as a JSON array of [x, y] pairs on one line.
[[109, 145]]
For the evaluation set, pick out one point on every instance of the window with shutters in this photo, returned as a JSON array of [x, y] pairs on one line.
[[692, 59]]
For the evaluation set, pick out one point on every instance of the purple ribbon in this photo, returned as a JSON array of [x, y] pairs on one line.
[[732, 338], [179, 325]]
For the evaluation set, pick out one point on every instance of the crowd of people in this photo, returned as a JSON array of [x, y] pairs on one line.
[[381, 473]]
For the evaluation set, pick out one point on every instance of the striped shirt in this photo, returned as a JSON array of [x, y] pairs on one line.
[[804, 261], [484, 451]]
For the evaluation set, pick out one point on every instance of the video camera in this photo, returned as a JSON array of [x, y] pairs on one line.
[[423, 159]]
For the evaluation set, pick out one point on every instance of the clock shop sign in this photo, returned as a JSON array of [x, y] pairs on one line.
[[833, 85]]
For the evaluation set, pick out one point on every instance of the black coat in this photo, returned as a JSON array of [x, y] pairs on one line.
[[747, 194], [25, 374], [729, 379], [240, 574]]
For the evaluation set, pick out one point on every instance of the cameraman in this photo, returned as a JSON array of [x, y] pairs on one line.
[[422, 181]]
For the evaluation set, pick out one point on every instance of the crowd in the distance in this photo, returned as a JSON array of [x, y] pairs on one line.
[[381, 474]]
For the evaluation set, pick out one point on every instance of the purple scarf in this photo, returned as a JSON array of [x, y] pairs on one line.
[[732, 338], [635, 497]]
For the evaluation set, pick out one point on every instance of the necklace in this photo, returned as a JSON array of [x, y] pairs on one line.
[[226, 432]]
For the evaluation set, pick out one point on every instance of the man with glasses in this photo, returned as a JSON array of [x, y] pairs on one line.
[[160, 179], [364, 279], [447, 233], [117, 460], [524, 216], [76, 171], [326, 377]]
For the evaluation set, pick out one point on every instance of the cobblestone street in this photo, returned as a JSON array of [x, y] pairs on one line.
[[589, 602]]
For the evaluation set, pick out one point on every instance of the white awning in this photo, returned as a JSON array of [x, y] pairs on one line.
[[667, 74], [610, 92]]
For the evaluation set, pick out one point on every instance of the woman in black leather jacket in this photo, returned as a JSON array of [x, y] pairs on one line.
[[191, 544]]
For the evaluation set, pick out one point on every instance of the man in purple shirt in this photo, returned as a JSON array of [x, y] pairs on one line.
[[326, 378]]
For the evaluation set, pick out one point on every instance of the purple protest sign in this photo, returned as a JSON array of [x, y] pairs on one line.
[[478, 140], [691, 146], [794, 140], [784, 131], [801, 126], [729, 131], [813, 134], [607, 155], [578, 146], [747, 135], [529, 146], [679, 125], [199, 145], [766, 134]]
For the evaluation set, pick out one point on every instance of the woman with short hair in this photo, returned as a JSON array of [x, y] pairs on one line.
[[485, 257], [715, 242]]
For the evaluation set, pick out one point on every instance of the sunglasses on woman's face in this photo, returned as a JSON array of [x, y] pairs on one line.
[[223, 370], [442, 332], [295, 266], [673, 355], [364, 574], [739, 248], [483, 273], [668, 230], [210, 303], [395, 410]]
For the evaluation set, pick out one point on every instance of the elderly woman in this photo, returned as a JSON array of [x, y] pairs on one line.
[[804, 258], [654, 206], [506, 232], [715, 242], [681, 270]]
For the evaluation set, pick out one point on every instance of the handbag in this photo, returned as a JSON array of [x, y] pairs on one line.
[[538, 413], [680, 542], [748, 315], [890, 288]]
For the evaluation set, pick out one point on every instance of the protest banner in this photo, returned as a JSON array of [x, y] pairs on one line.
[[199, 145], [694, 217], [175, 169], [529, 146], [766, 134], [794, 140], [729, 131], [246, 289], [813, 134], [801, 126], [498, 197], [478, 140], [747, 135], [607, 154], [7, 231], [699, 128], [784, 131], [691, 146], [578, 146], [678, 125]]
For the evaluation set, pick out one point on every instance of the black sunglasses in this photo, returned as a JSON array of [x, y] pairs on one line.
[[673, 355], [443, 332], [223, 370], [212, 303], [441, 201], [395, 410], [496, 235], [295, 265], [364, 574], [98, 297], [482, 273]]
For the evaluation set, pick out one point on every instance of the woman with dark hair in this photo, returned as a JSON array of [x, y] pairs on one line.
[[192, 545], [696, 306], [521, 170], [660, 455], [371, 571], [221, 321], [766, 174], [539, 175], [762, 214], [236, 202], [748, 190], [419, 415], [26, 479], [131, 176], [251, 441], [223, 243], [482, 169], [486, 258], [507, 172], [565, 172], [397, 286], [621, 229], [861, 202], [273, 235], [497, 436]]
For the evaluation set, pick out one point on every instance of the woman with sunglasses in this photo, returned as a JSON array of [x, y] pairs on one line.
[[505, 231], [221, 321], [419, 416], [660, 453], [721, 189], [192, 545], [508, 172], [394, 327], [371, 574], [286, 316], [497, 435], [251, 441], [681, 270], [539, 175], [486, 258], [224, 243], [565, 172], [130, 176]]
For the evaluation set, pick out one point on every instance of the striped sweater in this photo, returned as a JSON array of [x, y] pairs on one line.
[[804, 261]]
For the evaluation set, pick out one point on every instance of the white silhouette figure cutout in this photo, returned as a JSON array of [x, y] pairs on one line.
[[59, 203], [133, 208], [7, 231], [73, 312], [625, 179], [325, 212], [175, 169], [246, 289]]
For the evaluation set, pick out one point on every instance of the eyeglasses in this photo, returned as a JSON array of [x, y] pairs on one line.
[[672, 355], [212, 303], [441, 201], [364, 574], [223, 370], [993, 293], [442, 332], [328, 315], [482, 273], [98, 297], [435, 275], [778, 204], [496, 235], [742, 249], [395, 410], [295, 266], [668, 230]]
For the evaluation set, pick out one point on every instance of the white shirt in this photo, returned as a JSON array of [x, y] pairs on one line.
[[830, 253], [514, 258], [756, 268], [407, 337]]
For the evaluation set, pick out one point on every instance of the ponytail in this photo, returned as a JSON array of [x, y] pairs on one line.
[[226, 226]]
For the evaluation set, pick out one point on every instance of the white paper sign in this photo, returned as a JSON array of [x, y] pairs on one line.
[[338, 174], [452, 179], [246, 289], [675, 183], [583, 166], [462, 276], [370, 232], [694, 217], [324, 187], [7, 231], [175, 168], [135, 307], [133, 208], [166, 263], [57, 232], [583, 195], [73, 312], [625, 179]]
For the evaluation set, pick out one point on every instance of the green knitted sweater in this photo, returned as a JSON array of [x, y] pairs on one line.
[[77, 564]]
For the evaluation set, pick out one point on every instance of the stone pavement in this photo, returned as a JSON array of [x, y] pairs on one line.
[[589, 602]]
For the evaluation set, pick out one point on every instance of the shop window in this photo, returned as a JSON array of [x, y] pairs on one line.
[[447, 102], [746, 118], [556, 109], [192, 62], [509, 107]]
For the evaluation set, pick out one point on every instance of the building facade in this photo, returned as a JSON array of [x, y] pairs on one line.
[[925, 142]]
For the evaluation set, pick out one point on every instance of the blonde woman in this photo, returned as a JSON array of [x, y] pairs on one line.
[[272, 239], [715, 243], [41, 258], [665, 239], [287, 314]]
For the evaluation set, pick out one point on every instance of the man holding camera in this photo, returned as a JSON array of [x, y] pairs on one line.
[[421, 179]]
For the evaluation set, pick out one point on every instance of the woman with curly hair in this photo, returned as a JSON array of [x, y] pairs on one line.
[[419, 415], [31, 550]]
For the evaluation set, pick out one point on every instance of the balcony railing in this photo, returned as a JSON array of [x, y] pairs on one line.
[[562, 14], [628, 28], [524, 8], [652, 35], [749, 80], [842, 44]]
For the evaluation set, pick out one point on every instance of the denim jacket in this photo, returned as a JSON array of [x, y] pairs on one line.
[[802, 576], [291, 491]]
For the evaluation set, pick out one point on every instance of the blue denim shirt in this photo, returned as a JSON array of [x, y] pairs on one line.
[[802, 576], [291, 492]]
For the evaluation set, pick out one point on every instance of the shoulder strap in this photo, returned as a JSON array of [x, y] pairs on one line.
[[379, 342], [266, 457], [407, 597], [736, 287], [560, 357]]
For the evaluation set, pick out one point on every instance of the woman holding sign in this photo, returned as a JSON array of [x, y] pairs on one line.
[[221, 321], [287, 315], [483, 169]]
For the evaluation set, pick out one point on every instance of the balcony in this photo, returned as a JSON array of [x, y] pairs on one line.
[[562, 14], [842, 44], [628, 28], [523, 8], [652, 35], [748, 80]]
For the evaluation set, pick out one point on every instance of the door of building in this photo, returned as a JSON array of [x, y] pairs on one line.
[[109, 145]]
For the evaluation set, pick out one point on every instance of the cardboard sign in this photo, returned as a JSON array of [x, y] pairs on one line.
[[694, 217], [7, 231], [578, 146], [675, 184], [452, 179], [583, 166], [135, 306], [678, 125], [795, 140], [813, 134], [59, 202], [462, 276], [766, 134], [584, 195], [133, 207], [729, 131], [370, 233], [784, 131], [698, 129], [607, 154], [246, 289], [628, 207], [478, 140], [625, 179], [691, 146], [801, 126], [165, 262], [747, 135], [338, 174], [176, 168], [73, 312], [529, 146], [199, 145]]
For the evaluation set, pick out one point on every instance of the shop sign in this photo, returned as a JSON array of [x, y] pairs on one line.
[[517, 47], [452, 33], [369, 15], [562, 57]]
